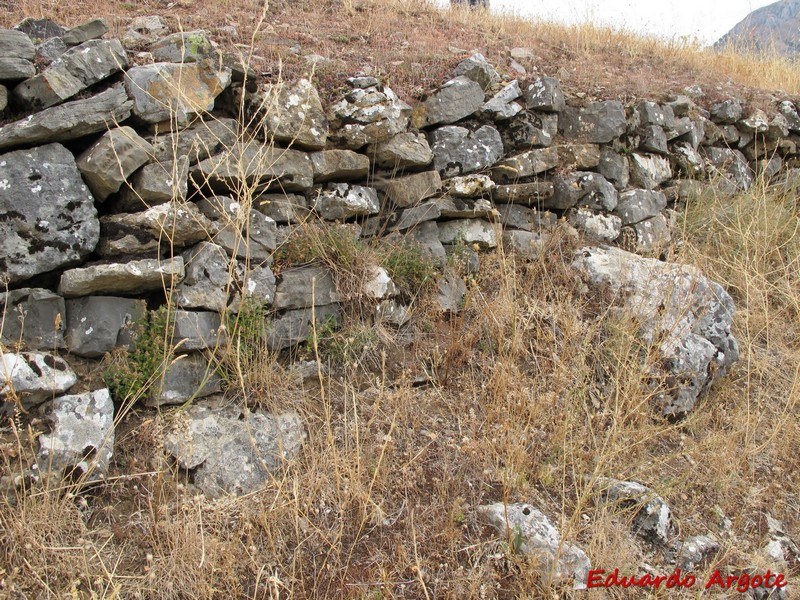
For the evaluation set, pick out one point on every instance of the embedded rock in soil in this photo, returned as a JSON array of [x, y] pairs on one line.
[[233, 450]]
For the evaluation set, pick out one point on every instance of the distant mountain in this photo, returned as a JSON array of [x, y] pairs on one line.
[[774, 27]]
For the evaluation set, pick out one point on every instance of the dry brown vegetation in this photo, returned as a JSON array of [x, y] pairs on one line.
[[531, 388]]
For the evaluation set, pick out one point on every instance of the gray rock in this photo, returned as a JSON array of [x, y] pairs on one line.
[[526, 164], [411, 217], [74, 71], [90, 30], [16, 55], [342, 201], [196, 143], [756, 122], [49, 219], [730, 164], [653, 520], [694, 551], [144, 30], [527, 244], [153, 184], [688, 160], [728, 111], [531, 194], [582, 188], [450, 293], [33, 317], [649, 171], [502, 105], [651, 234], [686, 316], [282, 208], [544, 93], [295, 326], [122, 278], [469, 186], [98, 324], [3, 98], [529, 129], [404, 150], [464, 208], [305, 287], [614, 167], [196, 330], [30, 378], [479, 70], [598, 123], [778, 128], [81, 441], [459, 151], [598, 227], [160, 229], [789, 112], [652, 139], [651, 113], [244, 232], [107, 163], [426, 237], [455, 100], [253, 164], [172, 91], [767, 168], [183, 47], [186, 378], [581, 157], [294, 114], [368, 116], [534, 535], [638, 205], [258, 285], [339, 165], [50, 51], [40, 29], [408, 191], [377, 284], [207, 283], [69, 121], [468, 231], [232, 450], [527, 219]]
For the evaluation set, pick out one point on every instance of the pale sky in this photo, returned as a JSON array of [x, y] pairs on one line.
[[704, 20]]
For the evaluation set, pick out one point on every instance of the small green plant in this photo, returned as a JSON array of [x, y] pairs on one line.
[[410, 268], [128, 374]]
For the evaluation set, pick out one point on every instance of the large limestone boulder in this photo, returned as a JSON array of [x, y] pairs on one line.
[[368, 115], [685, 316], [232, 450], [342, 201], [81, 441], [294, 114], [49, 218], [405, 150], [458, 150], [164, 91], [107, 163], [458, 98], [598, 123]]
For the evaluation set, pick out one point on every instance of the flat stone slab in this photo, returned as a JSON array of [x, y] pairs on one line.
[[107, 163], [70, 120], [122, 278], [230, 450], [16, 55], [49, 218], [98, 324]]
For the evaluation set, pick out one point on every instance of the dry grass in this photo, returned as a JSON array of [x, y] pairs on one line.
[[531, 388]]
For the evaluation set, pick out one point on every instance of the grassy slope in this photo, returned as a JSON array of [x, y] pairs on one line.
[[537, 383]]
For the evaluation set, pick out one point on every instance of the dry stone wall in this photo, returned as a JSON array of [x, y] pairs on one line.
[[127, 177]]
